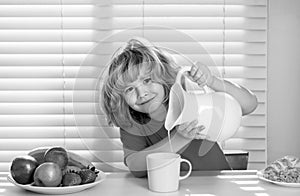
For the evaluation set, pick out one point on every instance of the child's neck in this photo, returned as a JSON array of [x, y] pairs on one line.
[[159, 114]]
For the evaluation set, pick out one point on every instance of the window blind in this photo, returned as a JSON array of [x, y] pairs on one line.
[[52, 50]]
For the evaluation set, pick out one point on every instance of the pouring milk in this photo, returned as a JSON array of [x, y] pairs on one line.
[[219, 112]]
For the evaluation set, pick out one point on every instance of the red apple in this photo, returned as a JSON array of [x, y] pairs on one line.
[[48, 174], [22, 169], [57, 155]]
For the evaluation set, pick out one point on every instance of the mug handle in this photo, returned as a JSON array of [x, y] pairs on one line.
[[190, 169]]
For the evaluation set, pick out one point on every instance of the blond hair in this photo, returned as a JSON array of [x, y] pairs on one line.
[[124, 67]]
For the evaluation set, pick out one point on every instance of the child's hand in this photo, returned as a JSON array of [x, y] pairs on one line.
[[190, 130], [201, 74]]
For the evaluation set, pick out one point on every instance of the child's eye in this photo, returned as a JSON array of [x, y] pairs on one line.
[[147, 80], [128, 90]]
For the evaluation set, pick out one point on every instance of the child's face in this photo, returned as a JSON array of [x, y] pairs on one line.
[[144, 95]]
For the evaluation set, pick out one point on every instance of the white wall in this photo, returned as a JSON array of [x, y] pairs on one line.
[[283, 79]]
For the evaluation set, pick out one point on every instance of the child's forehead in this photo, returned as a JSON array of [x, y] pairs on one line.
[[145, 70], [136, 73]]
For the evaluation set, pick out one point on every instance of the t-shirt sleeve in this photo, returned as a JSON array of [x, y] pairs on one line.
[[131, 143]]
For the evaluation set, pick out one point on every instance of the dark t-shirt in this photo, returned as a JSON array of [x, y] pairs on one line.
[[142, 136]]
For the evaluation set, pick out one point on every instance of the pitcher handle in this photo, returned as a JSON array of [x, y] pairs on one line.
[[181, 73]]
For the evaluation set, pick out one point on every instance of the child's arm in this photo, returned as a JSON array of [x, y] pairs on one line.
[[246, 98], [202, 75]]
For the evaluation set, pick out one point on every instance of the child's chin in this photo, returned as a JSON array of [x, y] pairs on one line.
[[156, 107]]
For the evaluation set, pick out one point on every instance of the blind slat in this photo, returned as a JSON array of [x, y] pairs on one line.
[[94, 60], [112, 144], [131, 11], [71, 144], [90, 84], [251, 132], [48, 108], [130, 2], [258, 60], [88, 120], [59, 132], [56, 108], [104, 48], [47, 96], [52, 120], [245, 144], [205, 10], [155, 35], [127, 23], [89, 71], [116, 155], [94, 156], [208, 23], [48, 72], [257, 156]]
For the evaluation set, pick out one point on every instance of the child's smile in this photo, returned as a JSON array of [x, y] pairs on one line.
[[146, 101]]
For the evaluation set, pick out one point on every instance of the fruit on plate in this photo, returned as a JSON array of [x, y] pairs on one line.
[[38, 153], [73, 158], [70, 163], [83, 176], [57, 155], [79, 161], [22, 169], [48, 174], [87, 176], [71, 169], [71, 179]]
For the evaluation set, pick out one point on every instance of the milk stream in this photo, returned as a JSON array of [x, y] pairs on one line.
[[170, 143]]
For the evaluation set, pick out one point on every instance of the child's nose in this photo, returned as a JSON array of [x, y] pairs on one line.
[[141, 91]]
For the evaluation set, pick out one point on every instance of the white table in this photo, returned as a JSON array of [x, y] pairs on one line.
[[199, 184]]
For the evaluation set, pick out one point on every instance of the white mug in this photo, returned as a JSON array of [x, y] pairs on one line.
[[164, 171]]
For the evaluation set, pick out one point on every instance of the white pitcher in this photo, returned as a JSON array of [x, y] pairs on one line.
[[219, 112]]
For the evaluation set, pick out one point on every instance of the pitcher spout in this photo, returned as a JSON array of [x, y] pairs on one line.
[[176, 105]]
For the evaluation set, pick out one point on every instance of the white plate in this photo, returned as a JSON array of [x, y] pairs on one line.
[[261, 176], [59, 190]]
